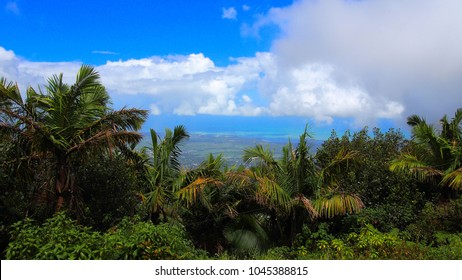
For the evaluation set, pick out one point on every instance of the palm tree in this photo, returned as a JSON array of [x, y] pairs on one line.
[[295, 188], [330, 199], [208, 201], [437, 155], [163, 170], [67, 121]]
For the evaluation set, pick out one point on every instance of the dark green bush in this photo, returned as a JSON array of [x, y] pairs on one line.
[[385, 217], [442, 217], [110, 191]]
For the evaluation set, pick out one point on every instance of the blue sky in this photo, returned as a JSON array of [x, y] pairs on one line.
[[95, 31], [248, 65]]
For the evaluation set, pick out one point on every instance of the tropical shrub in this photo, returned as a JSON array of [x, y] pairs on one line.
[[62, 238], [134, 239], [279, 253], [111, 191], [369, 244], [441, 217], [58, 238], [448, 247], [391, 199], [385, 217], [310, 235]]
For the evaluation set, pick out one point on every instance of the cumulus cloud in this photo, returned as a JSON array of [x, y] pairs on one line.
[[390, 57], [186, 85], [364, 60], [27, 73], [182, 85], [193, 84], [310, 90], [229, 13]]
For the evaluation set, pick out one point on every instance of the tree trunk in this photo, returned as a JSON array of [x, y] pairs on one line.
[[59, 187], [60, 182], [293, 225]]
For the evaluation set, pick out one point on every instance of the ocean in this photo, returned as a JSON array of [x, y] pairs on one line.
[[230, 135], [200, 145]]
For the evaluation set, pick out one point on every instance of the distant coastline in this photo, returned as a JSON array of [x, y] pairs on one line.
[[230, 145]]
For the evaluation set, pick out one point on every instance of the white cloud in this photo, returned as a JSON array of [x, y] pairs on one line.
[[27, 73], [246, 98], [398, 56], [245, 8], [185, 85], [12, 7], [310, 90], [104, 52], [155, 110], [6, 55], [350, 59], [193, 84], [229, 13]]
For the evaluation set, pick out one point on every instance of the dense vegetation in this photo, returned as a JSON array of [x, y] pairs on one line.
[[74, 186]]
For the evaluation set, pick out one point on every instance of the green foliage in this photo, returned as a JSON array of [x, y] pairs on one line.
[[296, 189], [309, 236], [133, 239], [384, 217], [61, 238], [391, 199], [448, 247], [446, 216], [111, 190], [370, 177], [63, 122], [162, 171], [437, 154], [57, 154], [279, 253], [246, 235], [371, 244]]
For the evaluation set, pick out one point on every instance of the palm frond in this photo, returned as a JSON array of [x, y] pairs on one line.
[[124, 119], [155, 199], [246, 234], [105, 140], [271, 194], [87, 77], [194, 190], [456, 127], [301, 200], [240, 179], [414, 120], [56, 87], [175, 141], [259, 154], [327, 175], [453, 179], [411, 165], [426, 135], [9, 93], [338, 205]]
